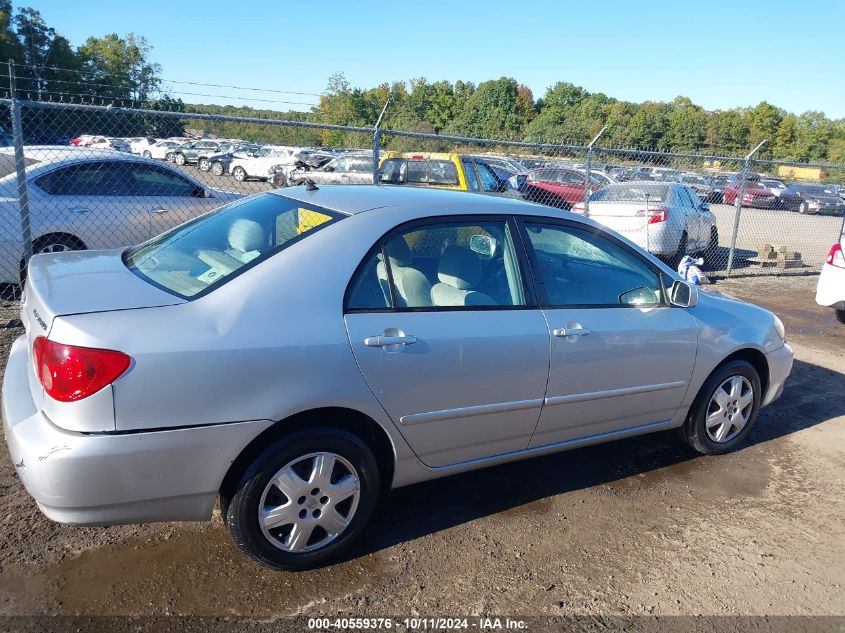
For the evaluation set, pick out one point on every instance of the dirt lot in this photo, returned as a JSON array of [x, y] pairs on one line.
[[639, 526]]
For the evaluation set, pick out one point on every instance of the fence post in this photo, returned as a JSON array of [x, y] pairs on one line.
[[377, 142], [738, 203], [587, 190], [20, 168]]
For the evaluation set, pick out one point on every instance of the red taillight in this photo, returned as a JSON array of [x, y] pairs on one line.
[[654, 215], [69, 373], [836, 257], [416, 157]]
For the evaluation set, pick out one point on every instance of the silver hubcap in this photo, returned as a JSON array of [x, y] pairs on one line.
[[309, 502], [730, 409]]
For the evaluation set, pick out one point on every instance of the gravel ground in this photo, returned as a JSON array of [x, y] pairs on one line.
[[635, 527]]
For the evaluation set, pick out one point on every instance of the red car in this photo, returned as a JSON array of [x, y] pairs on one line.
[[755, 195], [556, 187]]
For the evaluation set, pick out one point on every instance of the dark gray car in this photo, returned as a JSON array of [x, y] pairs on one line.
[[812, 198]]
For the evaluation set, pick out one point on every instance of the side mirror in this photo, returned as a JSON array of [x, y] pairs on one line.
[[683, 295]]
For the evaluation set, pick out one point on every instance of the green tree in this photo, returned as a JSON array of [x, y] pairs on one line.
[[647, 128], [492, 111], [687, 124], [10, 45], [120, 68], [763, 121], [727, 132]]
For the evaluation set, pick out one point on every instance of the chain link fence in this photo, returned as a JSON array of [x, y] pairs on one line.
[[77, 176]]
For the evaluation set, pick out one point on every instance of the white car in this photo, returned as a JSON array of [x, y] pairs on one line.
[[138, 145], [259, 163], [776, 187], [160, 150], [666, 219], [94, 201], [108, 142], [830, 291]]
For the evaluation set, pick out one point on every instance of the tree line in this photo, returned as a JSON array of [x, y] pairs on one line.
[[118, 70]]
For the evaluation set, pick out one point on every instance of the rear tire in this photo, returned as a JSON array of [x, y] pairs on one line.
[[203, 164], [179, 159], [840, 316], [285, 475], [719, 408], [675, 260], [240, 174], [280, 180], [147, 154], [804, 208], [57, 244], [217, 169]]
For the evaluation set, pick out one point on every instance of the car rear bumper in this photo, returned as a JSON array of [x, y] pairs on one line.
[[106, 479], [830, 291], [780, 366]]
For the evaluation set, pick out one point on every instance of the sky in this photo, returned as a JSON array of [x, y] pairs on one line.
[[721, 54]]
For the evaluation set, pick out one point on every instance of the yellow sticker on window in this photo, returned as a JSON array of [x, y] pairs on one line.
[[308, 220]]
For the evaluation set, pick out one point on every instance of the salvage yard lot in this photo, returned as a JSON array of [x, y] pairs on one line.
[[640, 526]]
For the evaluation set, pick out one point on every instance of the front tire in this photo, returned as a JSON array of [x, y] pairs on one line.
[[240, 174], [804, 208], [203, 164], [725, 409], [179, 159], [279, 180], [217, 169], [305, 500], [147, 154]]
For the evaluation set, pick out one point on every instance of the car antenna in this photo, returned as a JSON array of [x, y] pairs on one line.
[[310, 186]]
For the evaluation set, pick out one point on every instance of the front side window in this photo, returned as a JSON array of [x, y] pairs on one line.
[[197, 256], [149, 180], [579, 267], [489, 182], [443, 265], [435, 172]]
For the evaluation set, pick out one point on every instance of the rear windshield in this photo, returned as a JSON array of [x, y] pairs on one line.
[[196, 257], [401, 171], [623, 192]]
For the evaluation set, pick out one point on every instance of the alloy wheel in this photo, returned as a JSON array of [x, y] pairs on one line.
[[730, 409], [309, 502]]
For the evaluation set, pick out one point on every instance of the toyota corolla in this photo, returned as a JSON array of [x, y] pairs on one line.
[[299, 353]]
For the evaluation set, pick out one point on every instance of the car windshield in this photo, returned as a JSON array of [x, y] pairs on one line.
[[631, 192], [195, 257], [436, 172]]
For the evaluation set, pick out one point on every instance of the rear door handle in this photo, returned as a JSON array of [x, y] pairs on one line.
[[385, 341], [78, 209], [571, 331], [158, 210]]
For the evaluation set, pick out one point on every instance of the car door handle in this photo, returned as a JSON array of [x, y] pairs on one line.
[[159, 210], [571, 331], [384, 341], [79, 209]]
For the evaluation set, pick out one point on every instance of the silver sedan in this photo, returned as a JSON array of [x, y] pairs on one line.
[[300, 352]]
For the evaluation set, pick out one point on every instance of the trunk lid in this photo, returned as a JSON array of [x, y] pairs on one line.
[[81, 282], [622, 216]]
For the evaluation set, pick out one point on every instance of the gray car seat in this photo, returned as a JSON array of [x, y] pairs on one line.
[[412, 287], [247, 239], [460, 271]]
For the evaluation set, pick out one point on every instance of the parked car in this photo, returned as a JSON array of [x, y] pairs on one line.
[[426, 370], [162, 150], [665, 219], [218, 164], [257, 165], [347, 169], [98, 200], [701, 185], [830, 291], [138, 145], [720, 183], [192, 153], [755, 195], [811, 198], [443, 171], [559, 188], [108, 142], [776, 187]]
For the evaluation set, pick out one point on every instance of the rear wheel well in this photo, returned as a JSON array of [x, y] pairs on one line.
[[361, 425], [757, 359], [67, 238]]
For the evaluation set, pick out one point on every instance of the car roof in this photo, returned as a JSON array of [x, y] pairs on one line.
[[353, 199]]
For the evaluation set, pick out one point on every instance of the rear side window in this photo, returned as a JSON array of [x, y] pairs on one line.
[[195, 257]]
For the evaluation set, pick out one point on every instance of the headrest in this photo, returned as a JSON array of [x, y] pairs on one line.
[[247, 235], [399, 252], [459, 268]]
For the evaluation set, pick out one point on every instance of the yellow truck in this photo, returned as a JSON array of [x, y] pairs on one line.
[[814, 174]]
